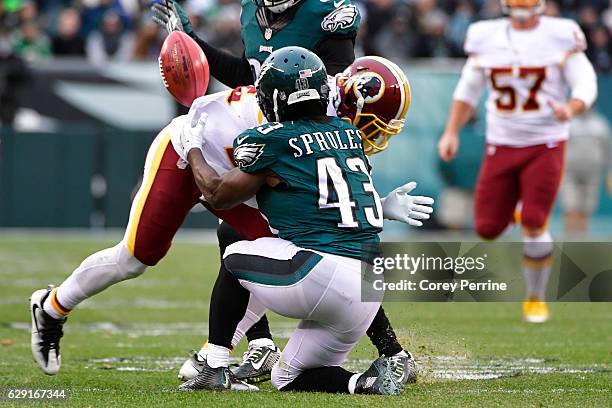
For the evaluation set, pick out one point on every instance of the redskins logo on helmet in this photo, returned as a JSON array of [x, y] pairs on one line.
[[523, 9], [373, 95]]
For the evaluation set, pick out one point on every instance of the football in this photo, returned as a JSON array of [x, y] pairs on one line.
[[184, 68]]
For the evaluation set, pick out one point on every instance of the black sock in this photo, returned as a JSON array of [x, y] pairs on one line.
[[228, 305], [260, 330], [333, 379], [382, 336]]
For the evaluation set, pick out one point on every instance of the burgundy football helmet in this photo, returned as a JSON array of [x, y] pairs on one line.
[[374, 95]]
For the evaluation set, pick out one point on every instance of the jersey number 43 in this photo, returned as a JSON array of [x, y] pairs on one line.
[[331, 176]]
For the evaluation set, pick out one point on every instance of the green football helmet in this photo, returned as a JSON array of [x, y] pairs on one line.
[[290, 76]]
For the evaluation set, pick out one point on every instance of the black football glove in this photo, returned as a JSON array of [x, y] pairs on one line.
[[171, 16]]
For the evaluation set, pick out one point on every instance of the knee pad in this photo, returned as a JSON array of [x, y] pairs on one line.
[[539, 246], [227, 236], [127, 263]]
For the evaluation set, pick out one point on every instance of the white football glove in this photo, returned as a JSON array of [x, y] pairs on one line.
[[166, 15], [398, 205], [192, 135]]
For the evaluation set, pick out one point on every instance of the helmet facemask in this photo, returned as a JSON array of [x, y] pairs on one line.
[[276, 6], [523, 9]]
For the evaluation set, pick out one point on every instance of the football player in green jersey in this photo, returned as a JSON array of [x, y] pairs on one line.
[[327, 27], [315, 166]]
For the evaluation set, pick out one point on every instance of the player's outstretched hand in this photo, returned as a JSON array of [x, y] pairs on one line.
[[171, 16], [192, 135], [562, 112], [448, 146], [400, 206]]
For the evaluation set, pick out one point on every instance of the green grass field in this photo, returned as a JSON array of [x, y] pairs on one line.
[[124, 347]]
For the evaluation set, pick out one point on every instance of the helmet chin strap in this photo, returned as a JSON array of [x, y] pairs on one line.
[[275, 100], [360, 104]]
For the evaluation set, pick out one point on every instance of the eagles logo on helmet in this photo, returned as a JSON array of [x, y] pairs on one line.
[[373, 95]]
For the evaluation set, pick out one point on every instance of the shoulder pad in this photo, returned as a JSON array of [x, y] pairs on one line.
[[479, 33], [566, 34]]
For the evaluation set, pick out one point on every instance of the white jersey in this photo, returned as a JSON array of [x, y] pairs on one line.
[[229, 114], [523, 71]]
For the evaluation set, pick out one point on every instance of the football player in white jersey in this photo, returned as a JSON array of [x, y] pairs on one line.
[[169, 191], [529, 63]]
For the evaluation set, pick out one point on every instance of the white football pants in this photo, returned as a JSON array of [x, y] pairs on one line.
[[320, 289]]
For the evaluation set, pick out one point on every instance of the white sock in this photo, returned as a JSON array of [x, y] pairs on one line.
[[217, 356], [264, 342], [537, 264], [203, 351], [254, 312], [353, 382]]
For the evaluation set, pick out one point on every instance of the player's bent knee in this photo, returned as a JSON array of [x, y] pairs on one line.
[[489, 230], [127, 264], [281, 378]]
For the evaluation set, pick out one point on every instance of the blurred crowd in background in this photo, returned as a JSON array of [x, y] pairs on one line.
[[121, 30]]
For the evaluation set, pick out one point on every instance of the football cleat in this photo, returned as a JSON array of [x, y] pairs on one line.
[[257, 364], [191, 367], [216, 379], [380, 379], [46, 334], [404, 367], [535, 311]]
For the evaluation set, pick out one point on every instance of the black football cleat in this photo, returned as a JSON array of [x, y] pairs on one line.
[[46, 334], [257, 364], [379, 379], [216, 379]]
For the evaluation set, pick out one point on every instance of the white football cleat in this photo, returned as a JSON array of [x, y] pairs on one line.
[[46, 334]]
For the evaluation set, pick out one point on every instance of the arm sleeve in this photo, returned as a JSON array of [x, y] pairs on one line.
[[254, 152], [471, 84], [581, 77], [230, 70], [336, 53]]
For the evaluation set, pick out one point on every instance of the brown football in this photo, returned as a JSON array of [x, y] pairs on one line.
[[184, 68]]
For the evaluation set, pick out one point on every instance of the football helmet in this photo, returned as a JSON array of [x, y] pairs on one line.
[[373, 94], [276, 6], [289, 76], [523, 9]]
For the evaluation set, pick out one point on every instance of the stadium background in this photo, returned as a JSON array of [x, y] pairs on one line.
[[81, 99]]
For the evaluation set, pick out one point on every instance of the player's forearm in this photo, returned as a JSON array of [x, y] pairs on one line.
[[222, 192], [459, 115], [230, 70], [336, 53], [576, 106], [206, 177]]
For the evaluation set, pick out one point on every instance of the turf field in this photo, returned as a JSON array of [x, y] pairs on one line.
[[124, 347]]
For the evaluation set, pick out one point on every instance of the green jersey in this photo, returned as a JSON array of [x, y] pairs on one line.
[[326, 200], [305, 25]]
